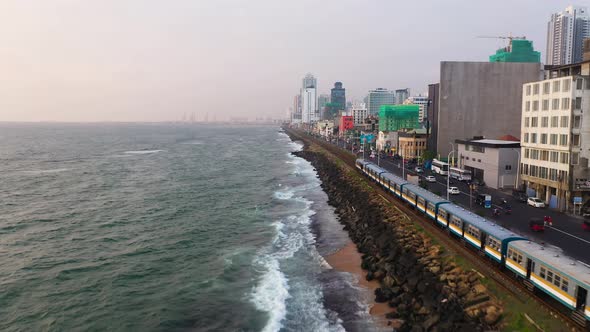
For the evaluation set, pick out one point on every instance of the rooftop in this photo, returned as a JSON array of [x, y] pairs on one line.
[[493, 143]]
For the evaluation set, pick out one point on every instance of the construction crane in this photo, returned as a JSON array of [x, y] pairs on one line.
[[503, 37]]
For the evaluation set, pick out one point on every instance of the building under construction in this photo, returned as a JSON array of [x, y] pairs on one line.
[[519, 50], [396, 117]]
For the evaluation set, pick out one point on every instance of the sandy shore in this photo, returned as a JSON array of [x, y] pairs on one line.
[[348, 259]]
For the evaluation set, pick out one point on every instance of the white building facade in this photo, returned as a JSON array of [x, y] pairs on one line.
[[379, 97], [556, 139], [359, 114], [309, 100], [566, 31], [422, 102]]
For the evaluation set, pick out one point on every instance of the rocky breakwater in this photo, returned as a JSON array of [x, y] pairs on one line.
[[425, 290]]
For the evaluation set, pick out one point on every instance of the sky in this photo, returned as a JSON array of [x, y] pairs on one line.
[[148, 60]]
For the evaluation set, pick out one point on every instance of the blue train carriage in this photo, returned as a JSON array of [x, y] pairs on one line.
[[374, 171], [394, 183], [361, 163], [427, 202], [453, 217], [561, 277]]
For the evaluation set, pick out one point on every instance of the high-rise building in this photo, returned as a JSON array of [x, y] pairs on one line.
[[379, 97], [401, 95], [338, 96], [566, 31], [296, 109], [359, 113], [309, 106], [323, 101], [422, 102]]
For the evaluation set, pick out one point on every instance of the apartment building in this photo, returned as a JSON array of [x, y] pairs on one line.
[[555, 137]]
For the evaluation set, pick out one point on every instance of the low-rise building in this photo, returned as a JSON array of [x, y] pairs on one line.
[[494, 161], [387, 141], [359, 113], [411, 144], [324, 128]]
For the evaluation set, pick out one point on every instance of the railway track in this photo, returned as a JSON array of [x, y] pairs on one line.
[[484, 266]]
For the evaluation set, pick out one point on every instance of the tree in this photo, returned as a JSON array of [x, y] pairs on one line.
[[428, 155]]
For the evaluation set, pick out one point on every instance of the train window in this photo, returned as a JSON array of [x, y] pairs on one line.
[[542, 272], [442, 213], [493, 243], [473, 231], [421, 200], [564, 285], [456, 221], [515, 256], [550, 276], [431, 207], [412, 195], [557, 280]]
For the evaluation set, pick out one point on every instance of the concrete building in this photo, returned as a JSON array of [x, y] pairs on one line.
[[556, 136], [566, 31], [401, 95], [491, 160], [379, 97], [338, 97], [422, 102], [411, 144], [359, 113], [432, 116], [323, 100], [309, 107], [324, 128], [296, 110], [481, 99]]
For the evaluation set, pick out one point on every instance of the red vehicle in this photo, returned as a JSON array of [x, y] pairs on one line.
[[537, 225], [548, 220], [586, 225]]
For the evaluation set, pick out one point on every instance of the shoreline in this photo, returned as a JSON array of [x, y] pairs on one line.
[[348, 259]]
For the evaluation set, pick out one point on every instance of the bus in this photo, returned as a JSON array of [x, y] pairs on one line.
[[440, 167], [460, 174]]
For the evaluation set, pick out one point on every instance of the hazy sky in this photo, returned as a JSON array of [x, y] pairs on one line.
[[147, 60]]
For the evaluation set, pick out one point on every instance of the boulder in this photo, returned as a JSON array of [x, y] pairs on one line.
[[388, 281], [492, 315], [479, 289], [431, 321]]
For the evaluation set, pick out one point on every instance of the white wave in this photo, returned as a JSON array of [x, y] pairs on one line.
[[193, 143], [143, 151], [283, 195], [46, 171]]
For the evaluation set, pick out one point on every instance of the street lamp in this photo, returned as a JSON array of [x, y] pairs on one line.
[[449, 170]]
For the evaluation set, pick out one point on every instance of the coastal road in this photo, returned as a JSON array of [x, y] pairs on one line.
[[566, 232]]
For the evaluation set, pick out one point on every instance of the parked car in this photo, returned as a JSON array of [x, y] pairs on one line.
[[430, 178], [535, 202], [520, 196], [454, 191], [536, 224], [419, 170]]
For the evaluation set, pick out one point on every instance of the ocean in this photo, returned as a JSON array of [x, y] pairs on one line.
[[167, 227]]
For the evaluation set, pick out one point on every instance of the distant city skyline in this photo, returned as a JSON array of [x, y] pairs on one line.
[[134, 60]]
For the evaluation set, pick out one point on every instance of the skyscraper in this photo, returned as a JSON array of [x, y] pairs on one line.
[[401, 95], [338, 97], [309, 109], [379, 97], [323, 100], [566, 31]]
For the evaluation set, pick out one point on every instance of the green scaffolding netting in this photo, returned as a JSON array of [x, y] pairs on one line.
[[518, 51], [396, 117]]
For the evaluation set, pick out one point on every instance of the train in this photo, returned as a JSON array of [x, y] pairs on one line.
[[538, 266]]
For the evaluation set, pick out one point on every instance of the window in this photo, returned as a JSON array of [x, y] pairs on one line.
[[577, 120], [564, 158], [563, 140], [554, 156], [527, 106], [526, 137], [549, 276], [575, 140], [552, 174], [543, 139], [528, 90], [565, 103], [534, 138], [566, 85], [544, 155], [526, 153], [545, 122], [555, 104], [493, 243], [556, 86], [535, 105], [579, 84], [534, 122], [564, 122], [508, 167], [543, 272], [534, 154], [526, 122], [536, 89], [578, 104], [473, 231], [515, 256], [575, 158], [546, 88], [545, 105], [554, 121], [456, 221], [553, 139], [564, 285]]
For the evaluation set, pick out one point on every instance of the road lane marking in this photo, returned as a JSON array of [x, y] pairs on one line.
[[566, 233]]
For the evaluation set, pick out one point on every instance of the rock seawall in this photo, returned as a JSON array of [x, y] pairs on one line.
[[424, 292]]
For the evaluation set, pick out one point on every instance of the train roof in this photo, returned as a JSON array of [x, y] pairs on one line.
[[375, 167], [394, 178], [429, 196], [362, 161], [485, 225], [556, 259]]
